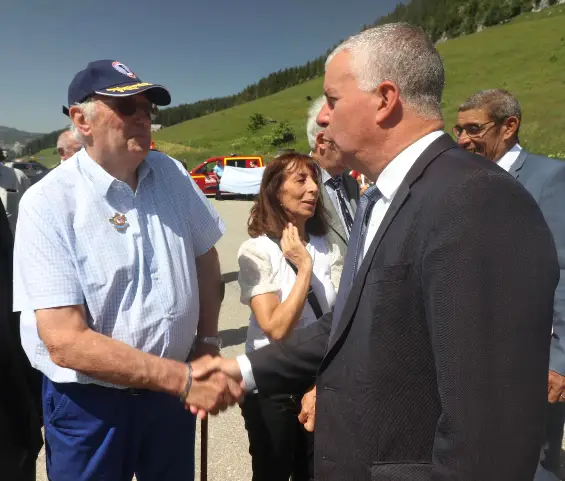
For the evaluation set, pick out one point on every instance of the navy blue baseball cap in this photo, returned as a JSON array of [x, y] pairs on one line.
[[113, 79]]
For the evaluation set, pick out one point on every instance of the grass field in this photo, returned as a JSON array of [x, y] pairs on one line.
[[525, 56]]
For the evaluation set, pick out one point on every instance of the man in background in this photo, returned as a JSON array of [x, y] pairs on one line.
[[219, 171], [340, 196], [488, 124], [341, 191], [20, 401], [67, 145], [13, 184]]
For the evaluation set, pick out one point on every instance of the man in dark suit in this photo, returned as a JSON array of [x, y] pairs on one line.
[[20, 424], [433, 365], [488, 123], [341, 191]]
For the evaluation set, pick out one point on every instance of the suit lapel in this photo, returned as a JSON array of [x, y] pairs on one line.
[[515, 169], [334, 222], [437, 148], [353, 298]]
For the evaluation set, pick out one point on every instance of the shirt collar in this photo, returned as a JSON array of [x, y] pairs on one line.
[[507, 160], [394, 173], [101, 179], [325, 175]]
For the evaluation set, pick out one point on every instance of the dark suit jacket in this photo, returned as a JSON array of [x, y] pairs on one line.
[[545, 180], [20, 425], [438, 367], [336, 232]]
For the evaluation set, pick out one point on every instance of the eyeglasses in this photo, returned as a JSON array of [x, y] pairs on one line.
[[127, 106], [472, 130]]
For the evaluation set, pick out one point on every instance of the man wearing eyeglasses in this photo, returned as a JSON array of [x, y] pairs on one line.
[[118, 281], [488, 123]]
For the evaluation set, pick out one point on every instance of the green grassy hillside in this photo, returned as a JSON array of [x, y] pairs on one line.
[[226, 131], [526, 56], [47, 157]]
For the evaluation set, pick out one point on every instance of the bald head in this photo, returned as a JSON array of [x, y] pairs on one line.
[[67, 145]]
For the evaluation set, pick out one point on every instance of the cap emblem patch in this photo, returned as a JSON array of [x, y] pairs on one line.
[[123, 69]]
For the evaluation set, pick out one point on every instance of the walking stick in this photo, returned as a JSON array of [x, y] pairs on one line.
[[204, 422], [204, 450]]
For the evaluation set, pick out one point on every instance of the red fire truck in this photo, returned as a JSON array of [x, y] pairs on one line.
[[207, 180]]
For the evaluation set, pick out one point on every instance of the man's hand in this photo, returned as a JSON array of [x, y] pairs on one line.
[[556, 388], [213, 394], [211, 391], [206, 367], [307, 415]]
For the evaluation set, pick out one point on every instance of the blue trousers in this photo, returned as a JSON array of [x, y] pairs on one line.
[[93, 433]]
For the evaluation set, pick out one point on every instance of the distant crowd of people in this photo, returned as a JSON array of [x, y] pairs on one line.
[[406, 291]]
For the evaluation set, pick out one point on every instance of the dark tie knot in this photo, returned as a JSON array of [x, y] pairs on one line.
[[335, 182]]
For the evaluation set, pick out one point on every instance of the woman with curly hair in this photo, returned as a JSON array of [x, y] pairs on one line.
[[289, 275]]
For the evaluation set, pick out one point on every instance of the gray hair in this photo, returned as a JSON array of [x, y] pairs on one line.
[[499, 104], [88, 108], [312, 127], [403, 54], [63, 140]]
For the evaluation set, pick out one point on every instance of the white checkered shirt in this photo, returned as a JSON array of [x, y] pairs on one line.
[[139, 285]]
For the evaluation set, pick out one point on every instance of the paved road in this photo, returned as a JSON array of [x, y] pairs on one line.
[[228, 457]]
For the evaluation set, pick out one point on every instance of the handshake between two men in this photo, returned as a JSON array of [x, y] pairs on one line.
[[217, 384]]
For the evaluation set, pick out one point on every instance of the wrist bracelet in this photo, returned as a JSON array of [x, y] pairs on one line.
[[188, 384]]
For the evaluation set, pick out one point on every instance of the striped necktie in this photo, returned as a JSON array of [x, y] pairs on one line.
[[336, 184]]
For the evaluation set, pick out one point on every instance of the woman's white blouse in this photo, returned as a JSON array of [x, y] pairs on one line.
[[262, 269]]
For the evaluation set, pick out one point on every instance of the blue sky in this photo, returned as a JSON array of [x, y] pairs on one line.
[[197, 49]]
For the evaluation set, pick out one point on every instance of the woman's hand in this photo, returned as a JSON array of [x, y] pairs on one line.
[[294, 249]]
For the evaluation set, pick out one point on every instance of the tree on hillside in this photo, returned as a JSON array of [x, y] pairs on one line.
[[283, 134], [495, 15], [256, 122]]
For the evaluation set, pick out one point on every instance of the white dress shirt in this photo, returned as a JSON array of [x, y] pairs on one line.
[[388, 183], [509, 158]]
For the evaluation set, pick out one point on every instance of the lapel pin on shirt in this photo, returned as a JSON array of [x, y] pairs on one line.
[[120, 222]]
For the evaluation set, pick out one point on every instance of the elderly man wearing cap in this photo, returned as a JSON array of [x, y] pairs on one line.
[[119, 284]]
